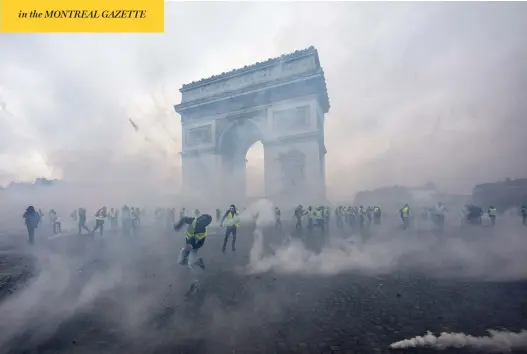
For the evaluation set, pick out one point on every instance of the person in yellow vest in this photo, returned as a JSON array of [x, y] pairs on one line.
[[318, 216], [493, 212], [100, 216], [405, 213], [233, 223], [195, 237]]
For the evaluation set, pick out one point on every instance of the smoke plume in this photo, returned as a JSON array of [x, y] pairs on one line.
[[496, 341]]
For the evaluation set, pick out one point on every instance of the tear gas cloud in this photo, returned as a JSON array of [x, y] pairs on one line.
[[497, 341], [464, 253]]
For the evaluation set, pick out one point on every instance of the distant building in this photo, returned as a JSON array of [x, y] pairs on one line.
[[502, 195], [393, 198]]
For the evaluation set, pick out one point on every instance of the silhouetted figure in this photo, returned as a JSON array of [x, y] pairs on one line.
[[82, 220], [32, 218]]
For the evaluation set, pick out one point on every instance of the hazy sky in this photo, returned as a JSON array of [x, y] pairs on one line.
[[418, 91]]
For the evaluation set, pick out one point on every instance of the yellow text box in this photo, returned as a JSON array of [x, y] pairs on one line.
[[33, 16]]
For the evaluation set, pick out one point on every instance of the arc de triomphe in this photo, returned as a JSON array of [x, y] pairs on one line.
[[280, 102]]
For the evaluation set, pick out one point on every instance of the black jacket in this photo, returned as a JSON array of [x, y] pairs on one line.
[[32, 218], [200, 228]]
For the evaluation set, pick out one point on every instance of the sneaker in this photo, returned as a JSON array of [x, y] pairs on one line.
[[201, 264]]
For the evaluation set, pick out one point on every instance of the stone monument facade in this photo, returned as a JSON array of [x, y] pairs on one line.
[[280, 102]]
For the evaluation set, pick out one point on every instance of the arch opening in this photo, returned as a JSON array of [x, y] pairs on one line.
[[254, 171], [233, 146]]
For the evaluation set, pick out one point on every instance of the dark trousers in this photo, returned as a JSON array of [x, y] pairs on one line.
[[298, 223], [127, 226], [82, 225], [99, 225], [230, 230], [31, 235], [492, 220], [339, 222], [57, 229], [406, 222]]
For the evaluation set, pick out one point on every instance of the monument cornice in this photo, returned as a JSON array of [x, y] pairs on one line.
[[289, 139], [197, 152], [273, 72], [253, 67], [317, 75]]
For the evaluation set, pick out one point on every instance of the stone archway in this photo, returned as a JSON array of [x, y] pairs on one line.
[[280, 102], [232, 147]]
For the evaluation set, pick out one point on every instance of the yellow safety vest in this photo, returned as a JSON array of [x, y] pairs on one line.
[[405, 211], [230, 216], [99, 215], [190, 231], [493, 211]]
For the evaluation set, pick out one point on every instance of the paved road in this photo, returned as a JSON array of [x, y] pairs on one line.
[[117, 295]]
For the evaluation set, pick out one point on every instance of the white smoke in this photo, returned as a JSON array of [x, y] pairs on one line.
[[456, 254], [497, 341], [262, 215]]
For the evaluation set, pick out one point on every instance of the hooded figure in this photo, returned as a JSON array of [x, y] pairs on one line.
[[32, 218]]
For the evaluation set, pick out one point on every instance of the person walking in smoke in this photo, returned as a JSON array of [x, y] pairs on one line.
[[195, 237], [74, 215], [319, 220], [52, 215], [134, 219], [277, 216], [113, 218], [299, 212], [100, 216], [405, 213], [232, 226], [126, 218], [338, 216], [523, 213], [82, 220], [32, 219], [376, 215], [493, 212], [439, 216], [362, 217]]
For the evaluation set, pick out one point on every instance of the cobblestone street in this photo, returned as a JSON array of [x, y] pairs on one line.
[[144, 310]]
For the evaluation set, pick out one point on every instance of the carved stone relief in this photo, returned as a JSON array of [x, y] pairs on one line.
[[291, 119], [199, 136], [293, 168]]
